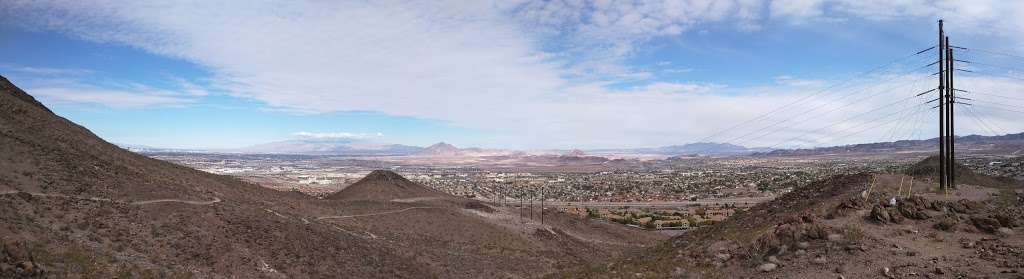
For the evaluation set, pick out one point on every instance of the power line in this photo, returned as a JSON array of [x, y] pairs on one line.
[[1000, 108], [773, 131], [1000, 129], [977, 119], [807, 97], [845, 120], [993, 65], [915, 131], [838, 134], [994, 95], [1000, 104], [995, 131], [994, 52], [915, 115], [980, 73]]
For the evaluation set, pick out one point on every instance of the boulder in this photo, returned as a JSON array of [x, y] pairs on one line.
[[816, 231], [845, 207], [14, 250], [1005, 219], [947, 223], [723, 256], [895, 216], [913, 211], [787, 231], [880, 215], [985, 223], [967, 206], [767, 267], [1004, 231], [835, 237]]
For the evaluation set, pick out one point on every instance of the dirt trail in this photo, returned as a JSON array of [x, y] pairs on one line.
[[374, 214], [215, 200], [144, 202], [416, 199]]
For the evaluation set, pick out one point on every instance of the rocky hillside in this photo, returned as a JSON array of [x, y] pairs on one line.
[[850, 226], [382, 185], [75, 206]]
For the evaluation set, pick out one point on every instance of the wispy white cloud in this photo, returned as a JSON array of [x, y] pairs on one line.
[[136, 97], [540, 72], [797, 9], [45, 71], [792, 81], [337, 135]]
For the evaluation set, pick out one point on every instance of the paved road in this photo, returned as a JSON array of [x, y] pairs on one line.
[[657, 204]]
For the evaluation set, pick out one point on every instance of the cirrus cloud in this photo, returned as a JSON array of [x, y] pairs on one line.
[[539, 72]]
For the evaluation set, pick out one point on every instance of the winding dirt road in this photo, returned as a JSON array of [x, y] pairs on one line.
[[143, 202], [215, 200], [374, 214]]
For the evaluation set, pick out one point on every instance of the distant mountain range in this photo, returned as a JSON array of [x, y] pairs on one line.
[[361, 147], [441, 149], [332, 146], [149, 149], [699, 148], [1010, 143]]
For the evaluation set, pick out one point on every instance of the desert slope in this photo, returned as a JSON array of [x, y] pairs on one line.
[[384, 185], [847, 227], [75, 206]]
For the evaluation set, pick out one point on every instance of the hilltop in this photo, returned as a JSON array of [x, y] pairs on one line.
[[383, 185], [441, 149]]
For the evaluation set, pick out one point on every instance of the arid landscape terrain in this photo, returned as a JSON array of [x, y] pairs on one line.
[[512, 139], [75, 206]]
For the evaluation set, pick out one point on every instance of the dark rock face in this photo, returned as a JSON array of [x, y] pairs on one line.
[[913, 211], [1006, 219], [880, 214], [985, 224], [16, 261], [844, 208], [947, 223]]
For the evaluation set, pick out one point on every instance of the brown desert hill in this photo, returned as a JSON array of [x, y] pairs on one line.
[[929, 169], [467, 238], [384, 185], [441, 149], [849, 226], [75, 206]]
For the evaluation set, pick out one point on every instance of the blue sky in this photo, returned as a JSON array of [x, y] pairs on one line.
[[504, 74]]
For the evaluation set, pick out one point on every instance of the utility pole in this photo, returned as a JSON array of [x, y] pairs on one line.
[[533, 196], [942, 91], [542, 194], [950, 164]]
